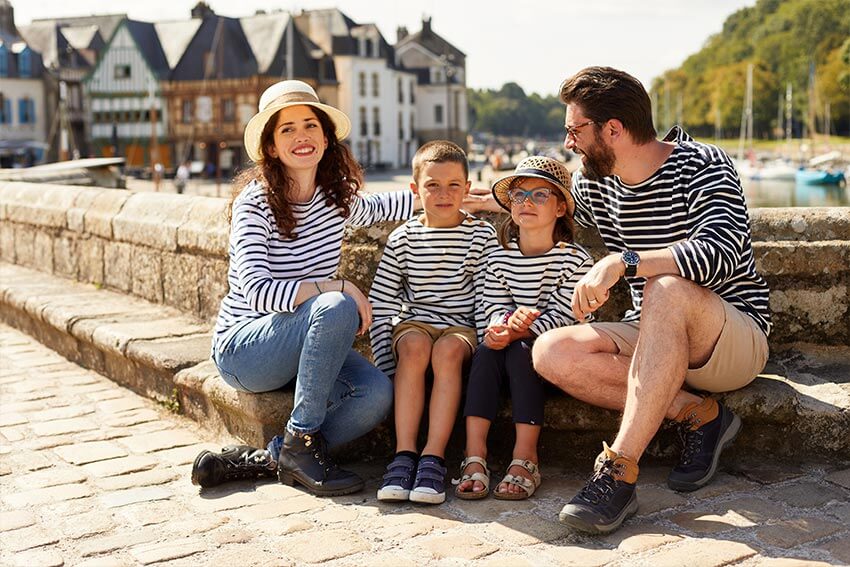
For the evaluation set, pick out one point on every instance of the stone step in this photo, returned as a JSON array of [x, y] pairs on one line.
[[799, 409]]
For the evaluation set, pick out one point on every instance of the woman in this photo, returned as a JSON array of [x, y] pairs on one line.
[[285, 316]]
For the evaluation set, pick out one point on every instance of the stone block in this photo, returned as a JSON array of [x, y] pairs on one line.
[[212, 286], [808, 494], [24, 239], [43, 252], [83, 453], [160, 440], [90, 260], [841, 478], [49, 495], [167, 551], [15, 520], [181, 278], [7, 242], [206, 229], [120, 466], [147, 274], [137, 480], [791, 533], [800, 223], [40, 204], [336, 544], [65, 256], [118, 265], [702, 552], [98, 215], [577, 555], [87, 524], [134, 495], [172, 354], [151, 219], [63, 426], [76, 212]]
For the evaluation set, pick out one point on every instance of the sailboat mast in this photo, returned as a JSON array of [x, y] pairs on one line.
[[746, 135]]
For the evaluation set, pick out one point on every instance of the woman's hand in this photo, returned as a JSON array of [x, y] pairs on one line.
[[364, 308], [497, 337]]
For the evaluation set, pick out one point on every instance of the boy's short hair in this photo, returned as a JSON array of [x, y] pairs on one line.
[[439, 151]]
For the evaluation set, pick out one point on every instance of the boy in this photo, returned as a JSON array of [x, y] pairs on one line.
[[424, 314]]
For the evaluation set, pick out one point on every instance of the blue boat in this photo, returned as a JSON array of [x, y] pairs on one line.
[[819, 177]]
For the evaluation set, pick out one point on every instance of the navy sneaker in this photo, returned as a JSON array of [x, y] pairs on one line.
[[430, 484], [703, 443], [398, 480], [608, 498]]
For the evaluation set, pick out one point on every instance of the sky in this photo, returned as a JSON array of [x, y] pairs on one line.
[[536, 43]]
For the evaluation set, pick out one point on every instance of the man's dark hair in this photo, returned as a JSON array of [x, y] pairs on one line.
[[604, 93]]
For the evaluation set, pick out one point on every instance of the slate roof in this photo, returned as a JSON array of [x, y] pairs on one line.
[[145, 36], [433, 42], [233, 56], [47, 38]]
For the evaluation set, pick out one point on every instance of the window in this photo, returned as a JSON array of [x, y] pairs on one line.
[[122, 72], [438, 113], [400, 91], [364, 126], [187, 111], [438, 76], [412, 93], [412, 127], [26, 111], [375, 84], [25, 63], [362, 83], [400, 126], [4, 61], [228, 110], [5, 110], [376, 48], [376, 121]]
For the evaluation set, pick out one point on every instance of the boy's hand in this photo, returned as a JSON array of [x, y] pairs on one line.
[[522, 318], [364, 308], [497, 337]]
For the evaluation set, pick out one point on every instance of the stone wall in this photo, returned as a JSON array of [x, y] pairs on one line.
[[172, 249]]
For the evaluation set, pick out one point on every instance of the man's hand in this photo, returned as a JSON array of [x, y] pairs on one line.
[[591, 291]]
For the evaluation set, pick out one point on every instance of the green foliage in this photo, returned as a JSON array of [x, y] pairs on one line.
[[510, 112], [784, 40]]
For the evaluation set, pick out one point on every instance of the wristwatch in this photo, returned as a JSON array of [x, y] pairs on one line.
[[631, 259]]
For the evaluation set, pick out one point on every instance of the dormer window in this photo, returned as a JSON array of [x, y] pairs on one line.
[[25, 63], [4, 61], [122, 72]]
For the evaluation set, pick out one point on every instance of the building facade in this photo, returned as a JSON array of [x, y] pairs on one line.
[[440, 70], [23, 121]]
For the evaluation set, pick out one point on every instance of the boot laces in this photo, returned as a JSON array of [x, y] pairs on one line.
[[321, 455], [602, 484], [245, 465], [691, 440]]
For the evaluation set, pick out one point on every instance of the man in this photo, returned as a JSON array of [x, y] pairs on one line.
[[673, 215]]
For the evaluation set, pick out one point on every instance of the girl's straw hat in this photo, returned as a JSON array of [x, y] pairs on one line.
[[540, 167], [283, 95]]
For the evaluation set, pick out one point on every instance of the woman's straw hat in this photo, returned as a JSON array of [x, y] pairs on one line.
[[283, 95], [540, 167]]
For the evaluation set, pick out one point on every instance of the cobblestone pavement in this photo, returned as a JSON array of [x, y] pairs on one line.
[[92, 474]]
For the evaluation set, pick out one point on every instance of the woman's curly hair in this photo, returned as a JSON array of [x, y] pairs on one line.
[[339, 175]]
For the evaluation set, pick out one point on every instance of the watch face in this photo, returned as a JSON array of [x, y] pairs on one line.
[[631, 258]]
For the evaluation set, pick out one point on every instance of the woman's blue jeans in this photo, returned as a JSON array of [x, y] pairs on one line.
[[337, 391]]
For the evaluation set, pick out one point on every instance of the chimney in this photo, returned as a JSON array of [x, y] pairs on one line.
[[426, 25], [401, 33], [7, 18], [202, 10]]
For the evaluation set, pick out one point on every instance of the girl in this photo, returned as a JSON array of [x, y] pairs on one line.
[[528, 290]]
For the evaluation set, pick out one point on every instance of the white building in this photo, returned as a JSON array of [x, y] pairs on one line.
[[440, 68], [23, 123], [373, 91], [124, 95]]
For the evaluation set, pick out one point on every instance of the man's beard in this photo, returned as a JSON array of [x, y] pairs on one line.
[[599, 161]]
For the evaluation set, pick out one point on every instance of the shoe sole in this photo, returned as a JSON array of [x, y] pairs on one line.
[[725, 440], [195, 480], [582, 525], [290, 480], [393, 494], [427, 497]]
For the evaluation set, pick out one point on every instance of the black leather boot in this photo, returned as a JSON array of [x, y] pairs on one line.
[[304, 459], [235, 462]]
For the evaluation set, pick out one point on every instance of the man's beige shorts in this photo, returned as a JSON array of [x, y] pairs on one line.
[[465, 334], [739, 355]]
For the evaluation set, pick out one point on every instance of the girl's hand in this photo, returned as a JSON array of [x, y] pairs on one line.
[[497, 337], [364, 308], [522, 318]]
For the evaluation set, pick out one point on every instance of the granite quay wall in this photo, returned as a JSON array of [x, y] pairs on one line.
[[172, 249], [128, 284]]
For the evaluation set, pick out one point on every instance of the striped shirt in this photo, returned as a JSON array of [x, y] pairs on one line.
[[266, 269], [694, 205], [430, 275], [545, 282]]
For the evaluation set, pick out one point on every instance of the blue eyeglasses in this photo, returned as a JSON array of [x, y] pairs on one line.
[[538, 196]]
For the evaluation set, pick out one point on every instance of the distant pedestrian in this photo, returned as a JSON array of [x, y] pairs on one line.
[[181, 178], [157, 173]]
